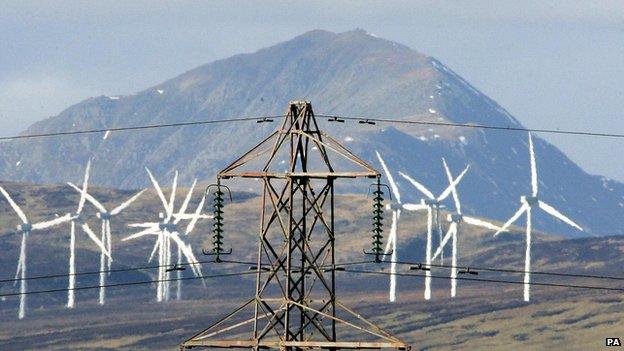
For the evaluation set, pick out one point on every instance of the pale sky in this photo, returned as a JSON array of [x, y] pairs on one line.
[[552, 64]]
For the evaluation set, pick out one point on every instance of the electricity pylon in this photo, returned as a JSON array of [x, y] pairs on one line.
[[295, 305]]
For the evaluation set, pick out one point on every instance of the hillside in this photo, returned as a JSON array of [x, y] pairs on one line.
[[349, 73], [132, 320]]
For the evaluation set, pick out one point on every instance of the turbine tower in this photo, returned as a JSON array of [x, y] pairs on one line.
[[75, 220], [452, 233], [105, 234], [166, 230], [396, 206], [527, 204], [26, 228], [432, 204]]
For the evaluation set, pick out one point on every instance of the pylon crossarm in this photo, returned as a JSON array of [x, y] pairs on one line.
[[344, 321], [222, 320], [248, 155], [351, 155], [369, 323]]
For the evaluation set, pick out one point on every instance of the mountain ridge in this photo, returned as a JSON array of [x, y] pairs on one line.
[[350, 73]]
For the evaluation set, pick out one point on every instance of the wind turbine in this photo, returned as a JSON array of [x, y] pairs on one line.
[[105, 216], [391, 245], [432, 204], [452, 233], [166, 230], [76, 219], [527, 204], [26, 228]]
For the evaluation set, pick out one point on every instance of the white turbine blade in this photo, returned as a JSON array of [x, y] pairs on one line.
[[185, 204], [418, 186], [174, 188], [415, 207], [452, 229], [480, 223], [196, 215], [124, 205], [158, 189], [85, 185], [453, 189], [513, 218], [149, 231], [143, 225], [393, 186], [553, 212], [89, 198], [185, 249], [188, 216], [16, 208], [95, 239], [156, 247], [453, 184], [533, 167], [52, 223]]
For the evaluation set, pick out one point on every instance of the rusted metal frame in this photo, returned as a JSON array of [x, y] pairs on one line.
[[287, 335], [353, 157], [276, 209], [339, 149], [302, 239], [278, 143], [239, 162], [332, 238], [222, 320], [279, 261], [259, 259], [340, 320], [283, 136], [320, 146], [319, 209], [316, 324], [282, 225], [369, 323], [272, 321], [314, 320]]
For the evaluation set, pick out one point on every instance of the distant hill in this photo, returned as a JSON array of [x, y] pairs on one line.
[[482, 316], [350, 73]]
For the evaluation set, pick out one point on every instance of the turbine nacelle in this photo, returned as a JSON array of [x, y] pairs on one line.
[[104, 216], [24, 227], [430, 202], [530, 200], [455, 217], [170, 227]]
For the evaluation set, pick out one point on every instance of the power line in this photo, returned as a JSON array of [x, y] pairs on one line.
[[130, 269], [483, 280], [128, 284], [142, 268], [477, 126], [331, 117], [508, 270], [142, 127]]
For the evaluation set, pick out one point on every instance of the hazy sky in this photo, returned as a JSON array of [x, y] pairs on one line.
[[552, 64]]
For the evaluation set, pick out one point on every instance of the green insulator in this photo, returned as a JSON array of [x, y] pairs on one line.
[[377, 236]]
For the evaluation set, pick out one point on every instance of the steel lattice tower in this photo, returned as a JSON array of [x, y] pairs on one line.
[[295, 305]]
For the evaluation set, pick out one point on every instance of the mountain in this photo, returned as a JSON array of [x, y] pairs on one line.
[[349, 73]]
